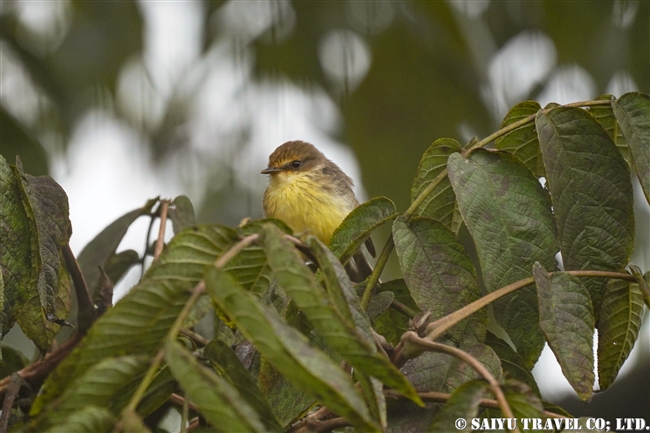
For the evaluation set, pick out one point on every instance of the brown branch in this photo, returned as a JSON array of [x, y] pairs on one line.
[[86, 313], [196, 338], [12, 392], [160, 241]]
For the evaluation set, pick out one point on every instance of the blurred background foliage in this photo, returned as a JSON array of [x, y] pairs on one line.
[[197, 94]]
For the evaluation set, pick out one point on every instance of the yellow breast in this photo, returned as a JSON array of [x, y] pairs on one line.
[[298, 200]]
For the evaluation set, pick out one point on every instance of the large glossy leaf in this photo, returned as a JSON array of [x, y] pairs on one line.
[[567, 319], [101, 249], [618, 328], [359, 224], [438, 273], [591, 192], [522, 142], [344, 329], [140, 320], [288, 350], [464, 403], [632, 111], [509, 216], [441, 204], [216, 398]]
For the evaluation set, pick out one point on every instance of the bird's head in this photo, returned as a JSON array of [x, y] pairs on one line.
[[293, 157]]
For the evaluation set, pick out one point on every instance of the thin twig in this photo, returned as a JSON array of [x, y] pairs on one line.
[[180, 401], [412, 337], [236, 249], [196, 338], [152, 219], [376, 272], [15, 381], [404, 309], [160, 241]]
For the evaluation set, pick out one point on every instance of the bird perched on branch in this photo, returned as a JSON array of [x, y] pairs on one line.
[[311, 193]]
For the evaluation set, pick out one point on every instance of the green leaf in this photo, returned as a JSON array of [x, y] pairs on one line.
[[182, 214], [463, 403], [11, 360], [567, 319], [438, 273], [591, 192], [508, 214], [102, 248], [232, 369], [345, 329], [140, 320], [511, 362], [441, 204], [632, 111], [618, 328], [522, 142], [217, 400], [644, 283], [604, 114], [288, 350], [46, 204], [18, 249], [379, 303], [523, 402], [359, 224], [132, 423], [90, 419]]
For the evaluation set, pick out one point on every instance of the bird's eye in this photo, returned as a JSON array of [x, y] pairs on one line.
[[296, 164]]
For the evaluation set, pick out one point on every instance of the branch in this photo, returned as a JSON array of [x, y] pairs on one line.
[[160, 242], [86, 313], [376, 272]]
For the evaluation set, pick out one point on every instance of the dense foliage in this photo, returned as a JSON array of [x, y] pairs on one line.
[[301, 348]]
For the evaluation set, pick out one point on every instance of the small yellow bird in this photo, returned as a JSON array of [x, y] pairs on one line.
[[311, 193]]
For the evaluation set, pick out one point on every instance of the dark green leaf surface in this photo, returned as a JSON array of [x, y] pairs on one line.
[[464, 403], [140, 320], [508, 214], [604, 114], [345, 329], [90, 419], [18, 249], [511, 362], [522, 142], [359, 224], [618, 328], [632, 111], [591, 192], [523, 402], [379, 303], [438, 273], [288, 350], [99, 251], [232, 369], [441, 204], [182, 214], [643, 280], [567, 319], [215, 397]]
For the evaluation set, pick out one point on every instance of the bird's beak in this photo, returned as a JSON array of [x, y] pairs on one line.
[[271, 170]]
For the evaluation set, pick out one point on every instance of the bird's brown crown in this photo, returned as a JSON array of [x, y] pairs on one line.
[[292, 151]]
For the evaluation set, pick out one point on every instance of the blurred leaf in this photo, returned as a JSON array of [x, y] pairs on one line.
[[391, 323], [632, 111], [140, 320], [217, 400], [511, 362], [441, 204], [90, 419], [47, 204], [438, 273], [359, 225], [567, 319], [522, 142], [508, 214], [644, 283], [618, 328], [11, 360], [119, 264], [379, 303], [182, 214], [232, 369], [464, 403], [345, 329], [101, 250], [18, 141], [288, 350], [591, 193], [604, 114], [132, 423]]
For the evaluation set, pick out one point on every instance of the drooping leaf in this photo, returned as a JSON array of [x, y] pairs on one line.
[[101, 249], [140, 320], [464, 403], [182, 214], [508, 214], [632, 111], [511, 362], [618, 328], [604, 114], [288, 350], [345, 329], [359, 224], [522, 142], [232, 369], [567, 319], [441, 203], [438, 273], [591, 192], [216, 398]]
